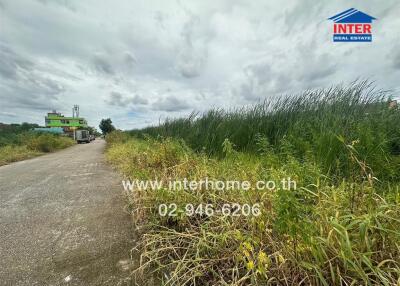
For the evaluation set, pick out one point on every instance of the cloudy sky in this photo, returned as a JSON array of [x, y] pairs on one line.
[[139, 62]]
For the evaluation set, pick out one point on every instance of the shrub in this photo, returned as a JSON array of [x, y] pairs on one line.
[[29, 144], [48, 142], [116, 137], [316, 124]]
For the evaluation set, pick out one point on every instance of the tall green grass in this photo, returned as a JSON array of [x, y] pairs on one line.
[[313, 124]]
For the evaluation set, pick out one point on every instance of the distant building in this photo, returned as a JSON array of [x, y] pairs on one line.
[[54, 130], [56, 119]]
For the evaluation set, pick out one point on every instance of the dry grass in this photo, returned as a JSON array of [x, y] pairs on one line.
[[319, 234], [13, 153]]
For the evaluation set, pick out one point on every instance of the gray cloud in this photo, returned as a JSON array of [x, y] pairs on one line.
[[63, 3], [41, 97], [170, 103], [130, 59], [118, 99], [102, 65], [314, 65], [8, 114], [256, 79], [297, 18], [10, 63], [23, 83], [137, 99], [148, 60], [396, 60], [193, 54]]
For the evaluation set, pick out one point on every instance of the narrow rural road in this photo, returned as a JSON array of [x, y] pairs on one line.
[[62, 220]]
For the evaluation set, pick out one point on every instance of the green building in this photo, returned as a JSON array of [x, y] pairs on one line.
[[56, 119]]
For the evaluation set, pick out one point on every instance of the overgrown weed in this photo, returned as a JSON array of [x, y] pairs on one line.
[[340, 226]]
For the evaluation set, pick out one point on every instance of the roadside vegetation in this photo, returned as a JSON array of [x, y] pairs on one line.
[[17, 142], [340, 226]]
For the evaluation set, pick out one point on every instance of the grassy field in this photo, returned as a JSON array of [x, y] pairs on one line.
[[339, 226], [18, 143]]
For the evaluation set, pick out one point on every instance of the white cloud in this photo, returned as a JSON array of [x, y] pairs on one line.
[[139, 62]]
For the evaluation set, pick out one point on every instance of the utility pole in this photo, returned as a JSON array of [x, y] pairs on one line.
[[75, 111]]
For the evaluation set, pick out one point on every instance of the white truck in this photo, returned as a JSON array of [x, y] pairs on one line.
[[82, 136]]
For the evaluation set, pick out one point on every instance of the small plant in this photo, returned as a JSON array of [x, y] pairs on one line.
[[227, 147]]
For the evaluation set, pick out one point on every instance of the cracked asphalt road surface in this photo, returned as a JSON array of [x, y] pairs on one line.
[[62, 220]]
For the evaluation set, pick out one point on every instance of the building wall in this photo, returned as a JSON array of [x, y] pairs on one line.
[[65, 122]]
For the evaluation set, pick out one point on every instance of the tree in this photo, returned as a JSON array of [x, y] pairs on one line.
[[92, 130], [106, 126]]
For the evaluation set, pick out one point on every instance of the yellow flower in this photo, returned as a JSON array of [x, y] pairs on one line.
[[248, 246], [281, 259], [263, 258], [250, 265], [246, 253]]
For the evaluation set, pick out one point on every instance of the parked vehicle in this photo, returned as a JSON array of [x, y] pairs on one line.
[[82, 136], [91, 136]]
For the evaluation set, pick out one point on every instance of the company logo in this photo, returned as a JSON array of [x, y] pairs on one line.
[[352, 26]]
